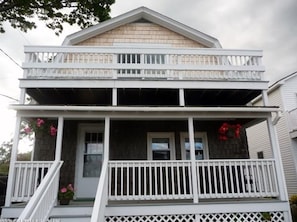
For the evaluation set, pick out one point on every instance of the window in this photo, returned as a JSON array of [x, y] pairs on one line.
[[260, 155], [160, 146], [201, 147], [93, 154]]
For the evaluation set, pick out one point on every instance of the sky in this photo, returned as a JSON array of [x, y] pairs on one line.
[[268, 25]]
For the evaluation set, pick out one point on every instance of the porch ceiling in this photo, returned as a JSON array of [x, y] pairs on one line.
[[142, 97]]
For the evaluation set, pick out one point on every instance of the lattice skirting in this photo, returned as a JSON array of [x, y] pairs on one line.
[[216, 217]]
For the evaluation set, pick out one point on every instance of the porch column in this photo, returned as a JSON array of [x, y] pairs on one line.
[[181, 97], [114, 96], [275, 148], [106, 138], [193, 159], [278, 161], [13, 159], [59, 139]]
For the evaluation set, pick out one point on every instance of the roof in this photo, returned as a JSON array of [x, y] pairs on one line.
[[149, 15], [276, 85]]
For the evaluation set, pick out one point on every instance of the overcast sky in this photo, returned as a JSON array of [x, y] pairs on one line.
[[269, 25]]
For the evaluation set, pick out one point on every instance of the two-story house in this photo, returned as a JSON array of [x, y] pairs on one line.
[[147, 118], [282, 93]]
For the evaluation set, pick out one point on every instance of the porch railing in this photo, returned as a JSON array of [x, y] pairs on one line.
[[150, 180], [165, 180], [149, 63], [43, 200], [27, 177], [236, 179]]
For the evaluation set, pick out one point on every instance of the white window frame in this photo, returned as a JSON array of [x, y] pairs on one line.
[[202, 135], [151, 135]]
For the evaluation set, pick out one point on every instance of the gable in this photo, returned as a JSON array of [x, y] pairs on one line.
[[141, 32], [147, 19]]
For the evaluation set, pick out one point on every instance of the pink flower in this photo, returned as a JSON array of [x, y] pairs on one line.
[[28, 130], [63, 190], [53, 130], [70, 187], [40, 122]]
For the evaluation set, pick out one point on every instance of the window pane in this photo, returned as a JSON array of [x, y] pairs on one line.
[[160, 144], [161, 155], [92, 165], [198, 149]]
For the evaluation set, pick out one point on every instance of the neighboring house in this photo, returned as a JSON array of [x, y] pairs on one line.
[[146, 117], [283, 93]]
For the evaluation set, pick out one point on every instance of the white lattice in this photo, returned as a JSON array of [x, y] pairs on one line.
[[218, 217], [152, 218]]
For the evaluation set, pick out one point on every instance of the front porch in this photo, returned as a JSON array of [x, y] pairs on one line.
[[185, 186]]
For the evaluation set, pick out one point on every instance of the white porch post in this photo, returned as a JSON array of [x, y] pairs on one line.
[[278, 161], [276, 152], [114, 96], [106, 138], [181, 97], [193, 159], [13, 158], [59, 139]]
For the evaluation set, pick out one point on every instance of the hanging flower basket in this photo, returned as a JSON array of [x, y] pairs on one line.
[[228, 131]]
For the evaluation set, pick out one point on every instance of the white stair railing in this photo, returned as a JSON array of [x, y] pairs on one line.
[[101, 195], [43, 200]]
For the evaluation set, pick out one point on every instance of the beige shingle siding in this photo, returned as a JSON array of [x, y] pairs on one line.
[[141, 33]]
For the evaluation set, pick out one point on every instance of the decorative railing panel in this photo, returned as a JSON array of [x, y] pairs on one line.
[[27, 177], [161, 63], [158, 180], [149, 180], [236, 178]]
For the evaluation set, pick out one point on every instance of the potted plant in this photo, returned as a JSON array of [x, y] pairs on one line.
[[66, 194]]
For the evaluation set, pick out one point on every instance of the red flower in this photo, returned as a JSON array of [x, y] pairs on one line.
[[53, 130], [40, 122]]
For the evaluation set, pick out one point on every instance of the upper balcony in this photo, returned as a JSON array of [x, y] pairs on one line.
[[76, 62]]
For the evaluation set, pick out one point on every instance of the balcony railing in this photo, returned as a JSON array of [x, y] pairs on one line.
[[167, 180], [142, 63]]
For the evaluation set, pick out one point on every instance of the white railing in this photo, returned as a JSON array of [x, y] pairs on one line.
[[236, 178], [43, 200], [292, 120], [27, 177], [119, 62], [149, 180], [101, 195], [157, 180]]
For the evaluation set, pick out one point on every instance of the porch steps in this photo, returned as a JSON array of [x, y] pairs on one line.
[[72, 213]]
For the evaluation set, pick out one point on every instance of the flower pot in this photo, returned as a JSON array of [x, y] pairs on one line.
[[64, 201]]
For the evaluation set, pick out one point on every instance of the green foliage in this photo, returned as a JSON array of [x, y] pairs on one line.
[[293, 199], [5, 153], [21, 13]]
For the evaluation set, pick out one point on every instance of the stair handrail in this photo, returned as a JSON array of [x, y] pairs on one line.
[[101, 195], [44, 198]]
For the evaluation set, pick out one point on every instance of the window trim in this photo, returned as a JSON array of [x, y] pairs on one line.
[[202, 135], [151, 135]]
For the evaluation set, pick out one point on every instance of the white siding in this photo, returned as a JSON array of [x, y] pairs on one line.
[[285, 98]]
